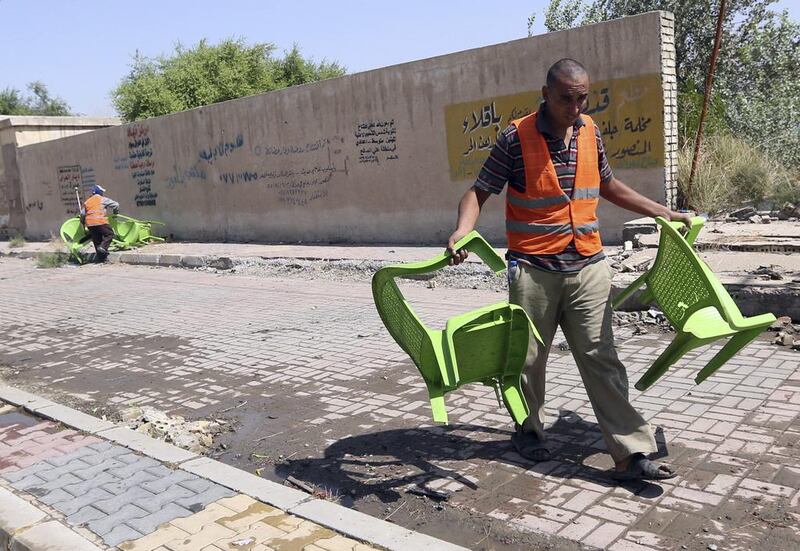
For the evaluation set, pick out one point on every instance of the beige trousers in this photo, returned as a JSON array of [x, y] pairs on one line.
[[579, 304]]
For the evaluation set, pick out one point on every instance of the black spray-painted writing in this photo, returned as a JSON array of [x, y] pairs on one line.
[[141, 165], [293, 149], [376, 141], [183, 176], [69, 182], [485, 117], [222, 149]]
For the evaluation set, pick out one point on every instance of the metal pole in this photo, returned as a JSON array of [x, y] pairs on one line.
[[706, 98]]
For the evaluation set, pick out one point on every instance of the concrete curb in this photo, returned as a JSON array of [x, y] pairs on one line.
[[336, 517], [24, 527]]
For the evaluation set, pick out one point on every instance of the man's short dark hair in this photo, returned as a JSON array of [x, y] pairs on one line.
[[564, 69]]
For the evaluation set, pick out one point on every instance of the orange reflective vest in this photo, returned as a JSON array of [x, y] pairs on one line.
[[543, 220], [95, 211]]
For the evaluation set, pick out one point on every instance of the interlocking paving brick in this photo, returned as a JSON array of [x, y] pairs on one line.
[[147, 524], [755, 392], [104, 525]]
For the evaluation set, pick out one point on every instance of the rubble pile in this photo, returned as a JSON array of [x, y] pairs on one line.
[[195, 436], [788, 211], [644, 321], [786, 333]]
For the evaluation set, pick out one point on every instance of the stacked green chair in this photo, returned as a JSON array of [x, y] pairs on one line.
[[694, 301], [75, 237], [488, 345], [126, 231], [131, 232]]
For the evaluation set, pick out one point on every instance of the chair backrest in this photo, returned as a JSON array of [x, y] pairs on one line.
[[398, 317], [72, 230], [396, 313], [125, 229], [678, 279]]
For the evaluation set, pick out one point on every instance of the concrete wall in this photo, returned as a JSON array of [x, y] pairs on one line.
[[20, 131], [380, 156]]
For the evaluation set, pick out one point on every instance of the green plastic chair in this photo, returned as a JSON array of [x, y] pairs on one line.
[[126, 231], [130, 232], [694, 301], [145, 228], [75, 237], [487, 345]]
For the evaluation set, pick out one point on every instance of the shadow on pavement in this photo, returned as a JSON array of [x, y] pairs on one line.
[[385, 464]]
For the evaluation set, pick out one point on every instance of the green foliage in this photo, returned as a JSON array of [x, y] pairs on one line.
[[207, 74], [690, 105], [731, 172], [13, 102], [756, 92]]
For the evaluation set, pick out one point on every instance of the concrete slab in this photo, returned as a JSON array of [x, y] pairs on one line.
[[16, 514], [364, 527], [24, 399], [73, 418], [269, 492], [148, 446], [50, 536]]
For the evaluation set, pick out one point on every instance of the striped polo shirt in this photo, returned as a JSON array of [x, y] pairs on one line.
[[504, 165]]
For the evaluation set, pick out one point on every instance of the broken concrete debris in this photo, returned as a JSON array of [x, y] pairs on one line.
[[195, 436]]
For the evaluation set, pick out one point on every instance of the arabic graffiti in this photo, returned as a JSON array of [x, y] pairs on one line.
[[121, 162], [87, 177], [627, 111], [376, 141], [37, 205], [609, 129], [307, 181], [599, 106], [69, 180], [183, 176], [222, 149], [479, 123], [140, 164], [267, 150], [484, 117]]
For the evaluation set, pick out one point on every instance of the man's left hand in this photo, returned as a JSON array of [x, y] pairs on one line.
[[684, 217]]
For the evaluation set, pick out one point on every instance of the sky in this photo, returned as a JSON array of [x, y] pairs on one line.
[[81, 49]]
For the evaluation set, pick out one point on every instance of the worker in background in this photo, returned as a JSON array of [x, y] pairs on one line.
[[94, 217]]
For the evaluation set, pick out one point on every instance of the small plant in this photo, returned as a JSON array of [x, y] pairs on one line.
[[16, 242], [51, 260]]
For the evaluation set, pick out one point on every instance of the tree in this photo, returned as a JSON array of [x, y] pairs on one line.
[[756, 92], [207, 74], [12, 102]]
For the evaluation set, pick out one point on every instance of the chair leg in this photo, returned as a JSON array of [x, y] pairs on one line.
[[438, 408], [515, 401], [737, 342], [682, 343]]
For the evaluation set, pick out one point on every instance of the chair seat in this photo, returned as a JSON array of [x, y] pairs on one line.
[[679, 281], [708, 323], [488, 345]]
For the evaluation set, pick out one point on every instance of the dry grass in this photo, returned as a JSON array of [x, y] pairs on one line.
[[16, 242], [730, 173]]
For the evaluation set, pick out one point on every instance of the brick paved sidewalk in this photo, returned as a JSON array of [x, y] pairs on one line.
[[63, 489], [325, 387]]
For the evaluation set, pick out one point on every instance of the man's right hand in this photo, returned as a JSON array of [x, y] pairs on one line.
[[460, 255]]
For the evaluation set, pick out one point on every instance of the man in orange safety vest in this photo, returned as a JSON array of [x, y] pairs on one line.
[[94, 217], [556, 169]]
